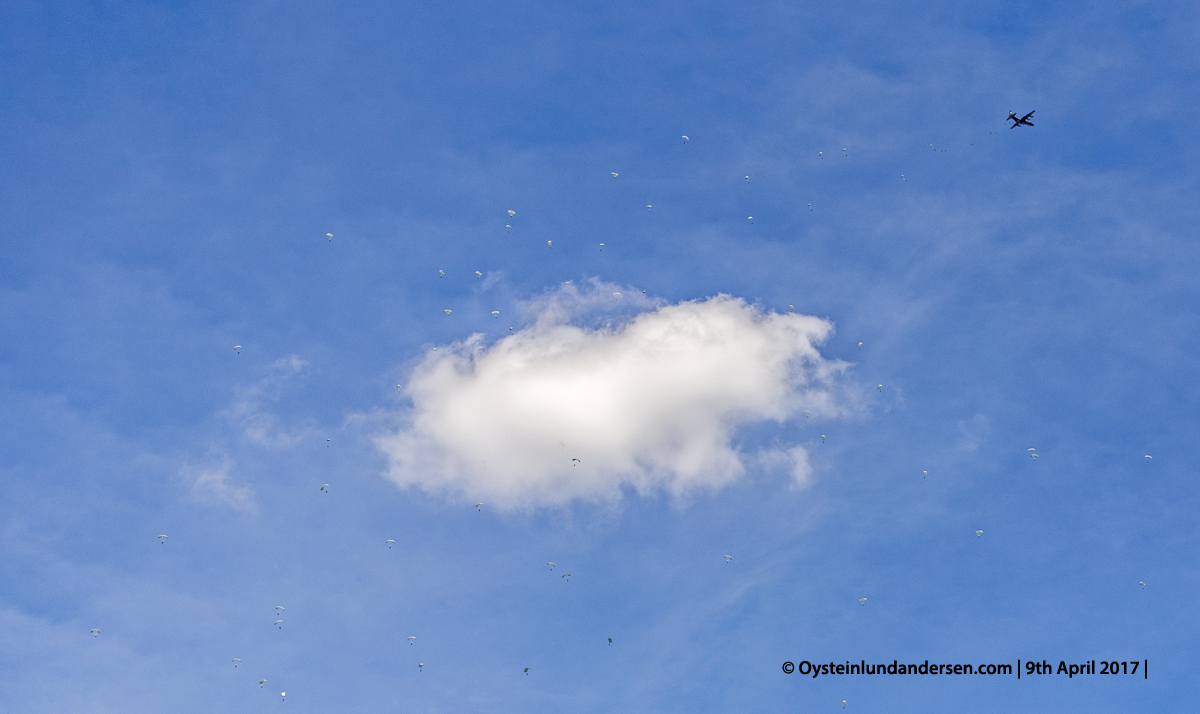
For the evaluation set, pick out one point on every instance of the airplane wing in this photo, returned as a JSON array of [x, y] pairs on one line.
[[1026, 117]]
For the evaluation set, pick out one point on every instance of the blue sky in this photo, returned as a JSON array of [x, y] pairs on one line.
[[169, 175]]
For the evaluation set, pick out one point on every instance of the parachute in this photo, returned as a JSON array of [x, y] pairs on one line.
[[508, 226], [926, 473], [279, 622], [549, 244], [420, 666], [685, 137], [237, 347], [610, 640], [95, 632], [550, 563], [860, 345], [478, 505], [526, 670], [978, 533], [791, 308], [447, 311], [511, 212], [261, 682], [822, 437], [411, 638], [1139, 583], [613, 174], [441, 274], [325, 486], [1149, 457], [750, 218], [478, 274], [280, 608], [163, 538], [617, 295], [648, 206], [329, 235], [236, 660], [728, 558], [566, 575], [390, 542], [496, 314], [862, 600], [879, 387]]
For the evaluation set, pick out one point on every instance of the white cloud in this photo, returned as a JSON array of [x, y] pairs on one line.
[[651, 400], [248, 410], [213, 485]]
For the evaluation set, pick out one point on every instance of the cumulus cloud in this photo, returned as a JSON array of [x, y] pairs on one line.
[[607, 388], [212, 485]]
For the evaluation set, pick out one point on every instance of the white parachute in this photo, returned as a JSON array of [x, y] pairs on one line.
[[390, 542], [162, 538], [411, 638], [496, 314], [236, 660], [478, 274], [95, 632], [862, 601], [261, 682], [447, 311], [978, 533], [613, 174], [511, 212], [728, 558]]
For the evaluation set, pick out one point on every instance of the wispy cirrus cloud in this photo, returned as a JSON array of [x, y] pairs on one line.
[[213, 485]]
